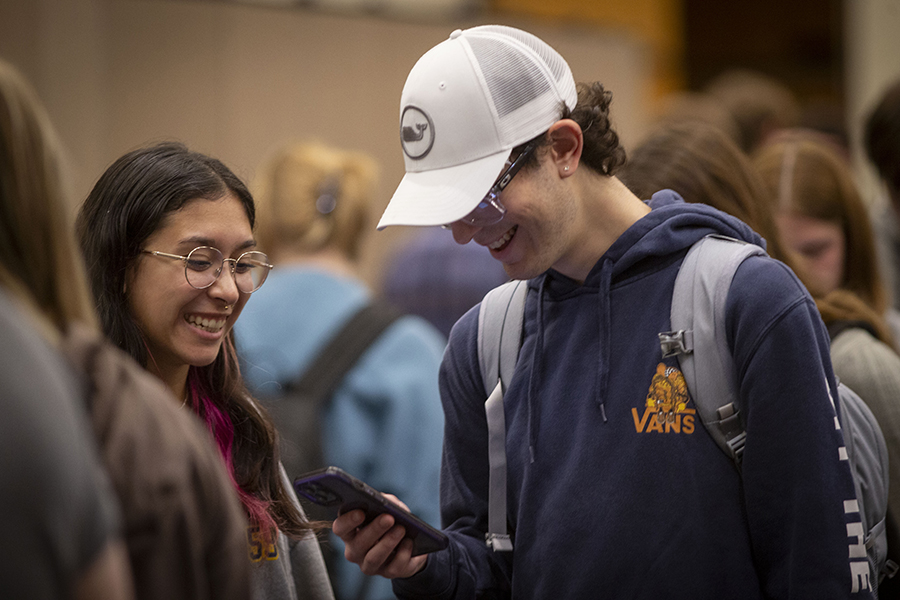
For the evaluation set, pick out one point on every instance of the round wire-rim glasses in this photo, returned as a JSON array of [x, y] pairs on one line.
[[203, 265], [490, 210]]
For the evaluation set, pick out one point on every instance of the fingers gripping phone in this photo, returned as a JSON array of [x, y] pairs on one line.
[[337, 492]]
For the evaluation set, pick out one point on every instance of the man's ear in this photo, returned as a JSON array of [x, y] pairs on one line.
[[567, 142]]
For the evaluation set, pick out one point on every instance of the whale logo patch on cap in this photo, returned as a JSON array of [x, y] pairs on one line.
[[416, 132]]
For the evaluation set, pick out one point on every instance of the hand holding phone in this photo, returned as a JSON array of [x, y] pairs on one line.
[[335, 492], [379, 548]]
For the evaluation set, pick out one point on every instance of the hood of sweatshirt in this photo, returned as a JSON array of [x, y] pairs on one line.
[[659, 238]]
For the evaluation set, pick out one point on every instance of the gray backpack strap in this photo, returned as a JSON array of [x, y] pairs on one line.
[[500, 332], [698, 319], [867, 453], [499, 336], [698, 339]]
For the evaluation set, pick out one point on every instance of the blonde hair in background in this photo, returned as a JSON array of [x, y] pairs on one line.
[[806, 174], [39, 260], [313, 197]]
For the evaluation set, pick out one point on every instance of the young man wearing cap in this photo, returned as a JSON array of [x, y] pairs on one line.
[[604, 499]]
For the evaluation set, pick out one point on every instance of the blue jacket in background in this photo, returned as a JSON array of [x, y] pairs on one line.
[[434, 277], [385, 423], [606, 501]]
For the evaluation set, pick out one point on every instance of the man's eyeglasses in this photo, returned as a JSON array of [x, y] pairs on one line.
[[490, 210], [203, 265]]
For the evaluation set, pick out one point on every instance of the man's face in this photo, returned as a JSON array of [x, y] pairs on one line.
[[537, 229]]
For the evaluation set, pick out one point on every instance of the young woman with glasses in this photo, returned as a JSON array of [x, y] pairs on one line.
[[168, 238]]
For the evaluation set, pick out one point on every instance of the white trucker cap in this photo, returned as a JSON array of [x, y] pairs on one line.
[[466, 104]]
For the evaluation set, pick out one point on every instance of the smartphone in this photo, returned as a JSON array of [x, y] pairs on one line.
[[334, 492]]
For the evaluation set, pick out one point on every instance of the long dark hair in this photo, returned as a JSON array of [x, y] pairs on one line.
[[129, 202], [805, 173]]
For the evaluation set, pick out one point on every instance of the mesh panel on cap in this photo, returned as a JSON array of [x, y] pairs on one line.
[[551, 57], [512, 79], [525, 78]]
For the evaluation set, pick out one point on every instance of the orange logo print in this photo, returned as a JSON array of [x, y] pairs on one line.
[[666, 409]]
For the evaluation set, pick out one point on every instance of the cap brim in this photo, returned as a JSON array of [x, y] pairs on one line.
[[442, 196]]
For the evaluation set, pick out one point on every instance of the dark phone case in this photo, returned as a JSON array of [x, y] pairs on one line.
[[338, 492]]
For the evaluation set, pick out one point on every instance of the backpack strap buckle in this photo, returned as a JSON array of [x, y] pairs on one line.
[[890, 569], [498, 542], [674, 343], [729, 423]]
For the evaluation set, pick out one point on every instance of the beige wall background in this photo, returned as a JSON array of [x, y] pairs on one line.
[[872, 54], [235, 81]]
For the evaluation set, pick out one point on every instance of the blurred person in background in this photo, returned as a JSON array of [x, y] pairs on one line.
[[688, 106], [434, 277], [882, 143], [60, 515], [56, 501], [701, 163], [759, 104], [60, 518], [822, 219], [182, 523], [383, 423]]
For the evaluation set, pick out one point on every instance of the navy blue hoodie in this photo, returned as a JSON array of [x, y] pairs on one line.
[[607, 501]]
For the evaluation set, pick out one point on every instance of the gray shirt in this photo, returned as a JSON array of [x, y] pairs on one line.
[[291, 569], [57, 509], [871, 369]]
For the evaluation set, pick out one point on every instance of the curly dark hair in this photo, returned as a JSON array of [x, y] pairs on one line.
[[602, 151]]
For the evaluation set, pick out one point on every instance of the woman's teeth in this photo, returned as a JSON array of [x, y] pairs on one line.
[[501, 243], [211, 325]]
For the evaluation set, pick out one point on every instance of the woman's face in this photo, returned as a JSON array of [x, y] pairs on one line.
[[184, 326], [820, 248]]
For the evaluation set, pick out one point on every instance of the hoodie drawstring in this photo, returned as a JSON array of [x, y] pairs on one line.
[[603, 319], [534, 380], [603, 335]]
